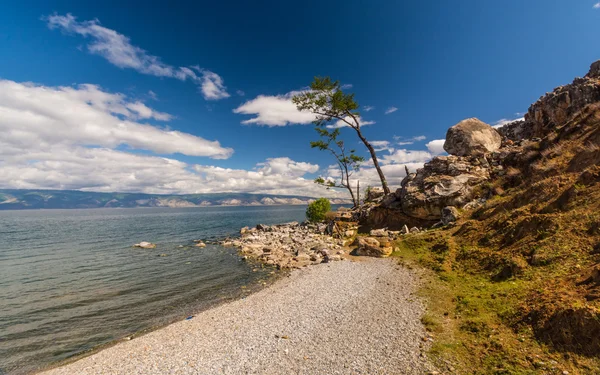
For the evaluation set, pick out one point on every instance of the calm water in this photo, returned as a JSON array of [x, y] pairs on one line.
[[70, 280]]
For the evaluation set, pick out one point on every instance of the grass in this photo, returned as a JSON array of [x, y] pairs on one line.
[[475, 321]]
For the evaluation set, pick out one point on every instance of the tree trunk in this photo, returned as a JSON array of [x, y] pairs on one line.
[[358, 193], [354, 202], [386, 189]]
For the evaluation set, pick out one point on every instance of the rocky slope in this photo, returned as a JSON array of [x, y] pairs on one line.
[[528, 238]]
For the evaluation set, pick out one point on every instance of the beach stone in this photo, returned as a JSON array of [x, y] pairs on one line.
[[368, 246]]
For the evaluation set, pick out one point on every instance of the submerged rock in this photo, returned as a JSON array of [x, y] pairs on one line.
[[145, 245]]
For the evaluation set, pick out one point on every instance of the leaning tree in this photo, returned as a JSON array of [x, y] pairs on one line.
[[329, 103], [348, 162]]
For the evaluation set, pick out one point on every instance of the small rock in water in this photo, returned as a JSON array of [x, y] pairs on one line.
[[145, 245], [200, 244]]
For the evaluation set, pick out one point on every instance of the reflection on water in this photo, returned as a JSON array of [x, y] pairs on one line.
[[70, 280]]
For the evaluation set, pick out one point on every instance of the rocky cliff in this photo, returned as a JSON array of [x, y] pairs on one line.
[[530, 217]]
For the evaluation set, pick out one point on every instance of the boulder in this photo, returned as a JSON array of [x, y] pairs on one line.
[[449, 215], [145, 245], [472, 137], [370, 247]]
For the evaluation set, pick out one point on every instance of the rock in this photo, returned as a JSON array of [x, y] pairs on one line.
[[556, 108], [449, 215], [374, 193], [370, 247], [200, 244], [444, 181], [472, 137], [349, 233], [473, 205], [405, 230], [145, 245], [414, 230], [379, 233], [262, 227]]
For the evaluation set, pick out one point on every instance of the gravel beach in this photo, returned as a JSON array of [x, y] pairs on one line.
[[349, 317]]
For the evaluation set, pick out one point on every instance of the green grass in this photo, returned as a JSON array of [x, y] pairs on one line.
[[472, 318]]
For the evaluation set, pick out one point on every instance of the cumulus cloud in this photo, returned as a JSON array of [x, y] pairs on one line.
[[82, 137], [436, 147], [405, 156], [107, 170], [504, 121], [597, 5], [381, 146], [275, 110], [118, 50], [390, 110], [278, 110], [33, 116], [286, 167]]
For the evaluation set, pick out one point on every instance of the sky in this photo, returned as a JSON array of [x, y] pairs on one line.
[[195, 97]]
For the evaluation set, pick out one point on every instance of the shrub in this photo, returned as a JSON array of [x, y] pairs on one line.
[[316, 210]]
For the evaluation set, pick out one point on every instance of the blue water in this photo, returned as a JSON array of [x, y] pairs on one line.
[[70, 280]]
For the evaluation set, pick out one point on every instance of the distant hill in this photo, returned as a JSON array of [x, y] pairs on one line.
[[36, 199]]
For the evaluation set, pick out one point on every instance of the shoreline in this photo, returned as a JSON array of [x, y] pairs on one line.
[[201, 308], [313, 313]]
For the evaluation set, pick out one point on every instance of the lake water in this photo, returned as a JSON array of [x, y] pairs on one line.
[[70, 280]]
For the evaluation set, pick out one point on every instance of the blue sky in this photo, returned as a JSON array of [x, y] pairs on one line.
[[193, 97]]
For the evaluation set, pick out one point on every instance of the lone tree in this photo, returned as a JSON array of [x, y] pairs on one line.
[[327, 100], [348, 162]]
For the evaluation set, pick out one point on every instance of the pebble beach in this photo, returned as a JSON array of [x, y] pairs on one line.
[[349, 317]]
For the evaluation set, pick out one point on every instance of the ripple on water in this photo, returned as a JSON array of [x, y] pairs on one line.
[[70, 280]]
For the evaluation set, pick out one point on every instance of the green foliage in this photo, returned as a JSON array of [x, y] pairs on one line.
[[328, 102], [317, 210]]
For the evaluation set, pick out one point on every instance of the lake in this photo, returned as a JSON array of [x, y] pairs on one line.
[[71, 281]]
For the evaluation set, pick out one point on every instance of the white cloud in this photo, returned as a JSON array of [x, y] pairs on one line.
[[118, 50], [500, 123], [274, 111], [286, 167], [436, 147], [342, 124], [33, 116], [152, 95], [278, 110], [382, 146], [390, 110], [81, 138], [402, 141], [597, 5], [368, 108], [405, 156], [240, 93], [212, 86], [346, 86]]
